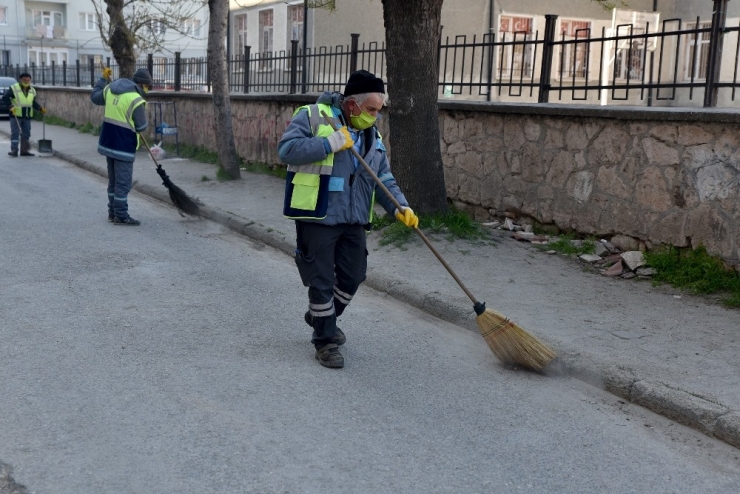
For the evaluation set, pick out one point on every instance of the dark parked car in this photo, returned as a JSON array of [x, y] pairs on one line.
[[5, 83]]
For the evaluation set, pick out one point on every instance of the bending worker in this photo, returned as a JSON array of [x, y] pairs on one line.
[[330, 196], [20, 98], [119, 137]]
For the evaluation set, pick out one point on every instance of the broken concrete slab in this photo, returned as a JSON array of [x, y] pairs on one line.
[[633, 259]]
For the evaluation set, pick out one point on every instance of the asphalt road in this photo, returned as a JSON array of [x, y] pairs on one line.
[[172, 358]]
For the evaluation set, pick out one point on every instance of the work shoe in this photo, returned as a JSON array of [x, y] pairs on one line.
[[111, 217], [337, 339], [329, 356], [27, 154], [126, 221], [14, 154]]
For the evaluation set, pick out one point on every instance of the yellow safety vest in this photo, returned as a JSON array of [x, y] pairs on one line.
[[119, 110], [22, 102], [309, 183]]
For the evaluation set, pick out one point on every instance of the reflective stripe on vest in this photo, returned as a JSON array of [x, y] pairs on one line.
[[119, 110], [307, 186], [22, 102]]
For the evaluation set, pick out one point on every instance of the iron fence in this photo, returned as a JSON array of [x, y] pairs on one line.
[[676, 63]]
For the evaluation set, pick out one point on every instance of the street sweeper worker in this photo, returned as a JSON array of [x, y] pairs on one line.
[[20, 99], [125, 118], [330, 196]]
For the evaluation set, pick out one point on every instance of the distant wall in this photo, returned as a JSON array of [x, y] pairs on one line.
[[657, 176]]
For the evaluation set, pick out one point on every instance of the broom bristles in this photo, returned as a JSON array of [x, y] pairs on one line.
[[182, 201], [512, 344]]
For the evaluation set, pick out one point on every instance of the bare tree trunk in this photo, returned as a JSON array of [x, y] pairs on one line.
[[218, 67], [412, 30], [121, 38]]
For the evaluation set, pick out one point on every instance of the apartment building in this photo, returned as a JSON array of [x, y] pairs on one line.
[[42, 32], [267, 27]]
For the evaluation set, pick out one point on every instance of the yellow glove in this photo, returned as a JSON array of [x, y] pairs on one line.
[[340, 140], [43, 110], [407, 217], [107, 73]]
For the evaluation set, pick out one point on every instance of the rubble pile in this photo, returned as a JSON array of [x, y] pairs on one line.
[[610, 260]]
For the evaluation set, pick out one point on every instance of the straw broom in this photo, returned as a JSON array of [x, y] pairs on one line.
[[507, 340], [183, 202]]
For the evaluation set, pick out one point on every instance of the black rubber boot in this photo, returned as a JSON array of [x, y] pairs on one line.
[[14, 154], [329, 356], [338, 339]]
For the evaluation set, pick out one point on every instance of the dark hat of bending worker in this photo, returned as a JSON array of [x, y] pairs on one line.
[[142, 76], [361, 82]]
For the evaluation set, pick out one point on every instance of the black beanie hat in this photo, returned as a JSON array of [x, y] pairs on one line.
[[363, 81], [142, 76]]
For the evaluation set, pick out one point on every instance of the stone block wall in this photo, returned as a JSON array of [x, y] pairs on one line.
[[656, 176], [661, 177]]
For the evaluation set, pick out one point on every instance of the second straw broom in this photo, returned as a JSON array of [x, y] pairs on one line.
[[507, 340]]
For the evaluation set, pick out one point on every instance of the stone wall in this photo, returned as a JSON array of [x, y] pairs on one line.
[[659, 177], [654, 176]]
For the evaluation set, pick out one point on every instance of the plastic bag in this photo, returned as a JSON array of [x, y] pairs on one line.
[[158, 152]]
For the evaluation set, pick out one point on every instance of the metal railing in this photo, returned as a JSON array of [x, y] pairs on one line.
[[670, 64]]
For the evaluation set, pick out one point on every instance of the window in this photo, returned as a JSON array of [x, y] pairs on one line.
[[192, 68], [697, 52], [295, 24], [266, 38], [295, 28], [47, 18], [97, 61], [157, 27], [87, 22], [5, 57], [515, 60], [3, 16], [44, 22], [191, 27], [240, 33], [45, 57], [574, 61], [628, 63]]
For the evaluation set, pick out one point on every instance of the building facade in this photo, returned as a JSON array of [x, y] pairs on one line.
[[41, 32]]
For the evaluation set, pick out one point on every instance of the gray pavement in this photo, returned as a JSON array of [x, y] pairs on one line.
[[672, 353]]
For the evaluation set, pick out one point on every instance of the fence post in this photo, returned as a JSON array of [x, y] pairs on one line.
[[53, 73], [247, 50], [719, 17], [353, 53], [77, 71], [92, 72], [43, 73], [547, 53], [150, 64], [178, 71], [293, 66], [64, 73]]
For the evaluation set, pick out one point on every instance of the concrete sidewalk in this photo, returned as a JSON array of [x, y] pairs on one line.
[[670, 352]]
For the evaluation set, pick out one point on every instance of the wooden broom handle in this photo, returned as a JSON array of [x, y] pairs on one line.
[[370, 171]]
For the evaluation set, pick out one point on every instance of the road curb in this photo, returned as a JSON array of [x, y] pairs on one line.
[[702, 414]]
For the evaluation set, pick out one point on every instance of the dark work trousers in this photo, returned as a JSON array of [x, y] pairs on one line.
[[332, 262], [120, 175], [20, 134]]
